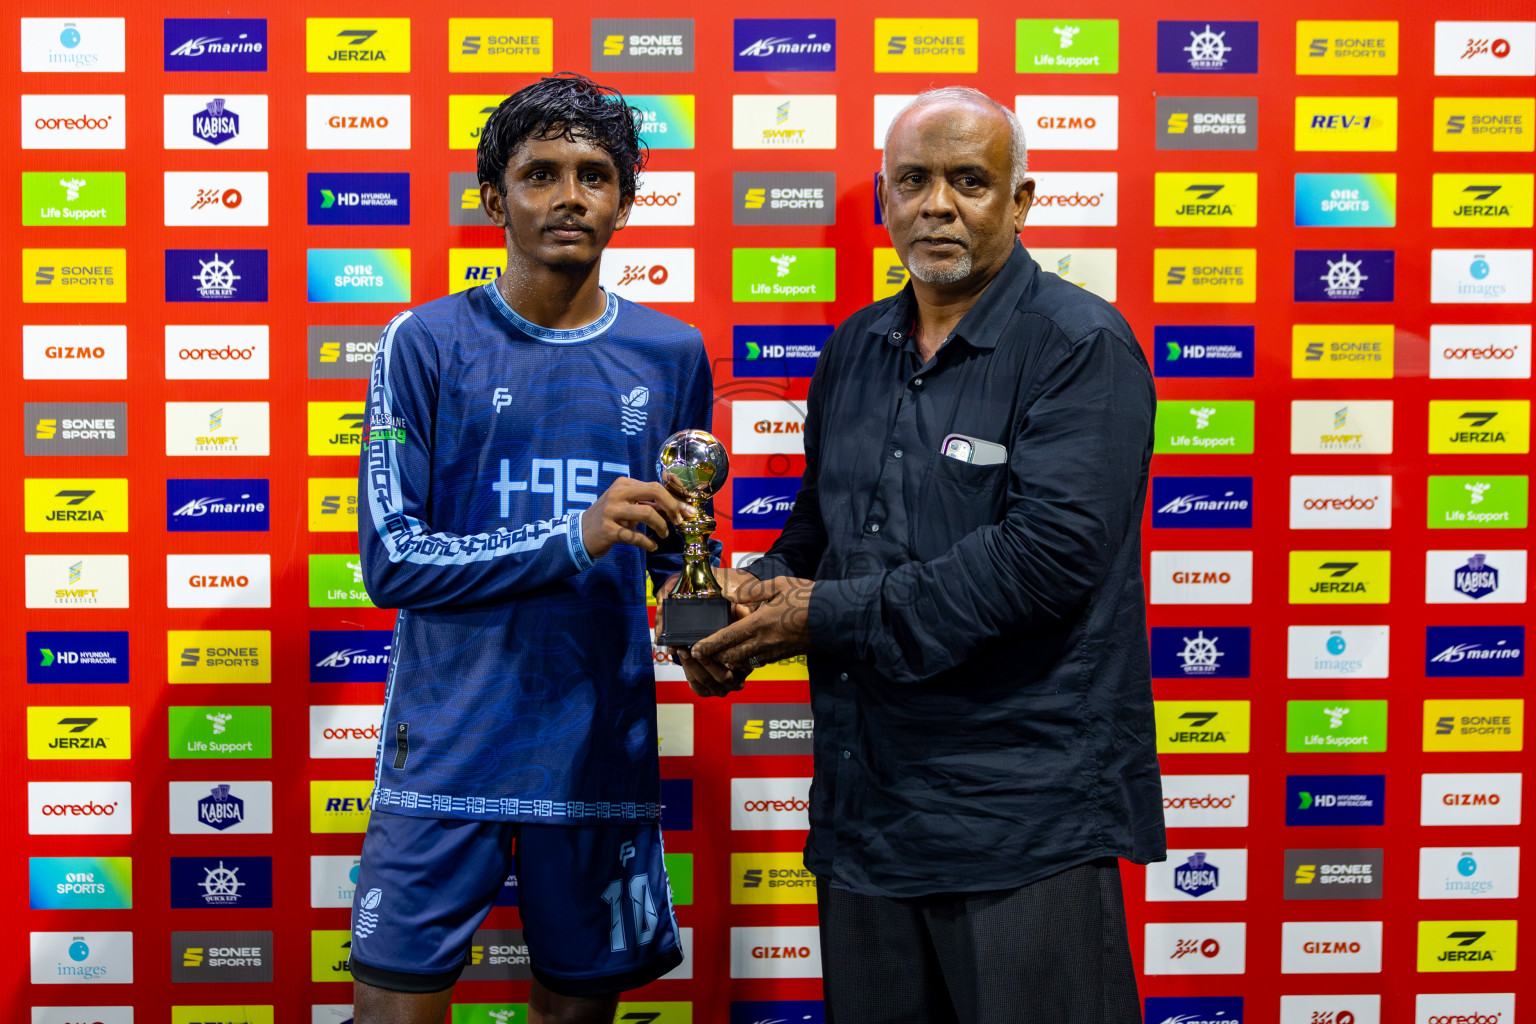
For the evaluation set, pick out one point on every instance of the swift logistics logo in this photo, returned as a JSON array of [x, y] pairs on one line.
[[642, 44], [215, 44], [338, 199], [1485, 426], [220, 732], [359, 275], [946, 45], [1339, 351], [1212, 427], [80, 883], [784, 198], [75, 505], [1208, 47], [77, 657], [1092, 269], [206, 506], [1487, 502], [1204, 275], [1210, 876], [1480, 275], [1340, 124], [204, 656], [1336, 726], [216, 275], [1481, 200], [783, 275], [1202, 502], [1202, 577], [332, 504], [1070, 122], [785, 44], [1202, 726], [1467, 945], [1335, 275], [349, 655], [1205, 199], [1484, 124], [1205, 652], [217, 428], [1333, 874], [1480, 351], [1335, 799], [1337, 652], [782, 121], [74, 198], [221, 882], [1202, 351], [1208, 122], [338, 352], [352, 45], [1466, 724], [1346, 200], [1344, 426], [1340, 577], [1083, 46], [776, 350], [1474, 651], [74, 275], [501, 44], [79, 733], [758, 878], [1346, 47], [77, 581]]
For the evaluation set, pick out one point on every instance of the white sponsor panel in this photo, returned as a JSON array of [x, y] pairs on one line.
[[332, 880], [217, 428], [357, 122], [773, 427], [1341, 427], [1069, 122], [1466, 576], [344, 730], [1075, 199], [1195, 948], [1464, 1008], [73, 122], [77, 581], [1485, 48], [212, 121], [1093, 270], [1337, 652], [82, 1014], [684, 970], [663, 199], [218, 581], [648, 275], [216, 199], [661, 662], [220, 807], [1470, 798], [778, 951], [887, 106], [217, 351], [1480, 351], [1480, 275], [1205, 801], [74, 352], [1330, 947], [1199, 876], [79, 808], [787, 122], [1341, 502], [82, 957], [1315, 1009], [1202, 577], [775, 803], [1469, 872], [74, 44], [330, 1013], [674, 729]]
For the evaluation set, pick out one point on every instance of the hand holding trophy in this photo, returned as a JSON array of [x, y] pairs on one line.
[[694, 464]]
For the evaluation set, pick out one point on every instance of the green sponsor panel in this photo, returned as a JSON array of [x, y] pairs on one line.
[[220, 731], [680, 875], [1067, 46], [336, 581], [489, 1013], [1201, 427], [783, 275], [1478, 502], [74, 198], [1336, 726]]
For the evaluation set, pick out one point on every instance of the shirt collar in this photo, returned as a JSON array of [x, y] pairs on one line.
[[983, 325]]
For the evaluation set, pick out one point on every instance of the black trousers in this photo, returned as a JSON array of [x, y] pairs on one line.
[[1051, 952]]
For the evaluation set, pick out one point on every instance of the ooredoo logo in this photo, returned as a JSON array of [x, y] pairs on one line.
[[79, 808], [73, 122], [770, 803], [226, 352], [1341, 502], [1480, 351], [1076, 199], [343, 730]]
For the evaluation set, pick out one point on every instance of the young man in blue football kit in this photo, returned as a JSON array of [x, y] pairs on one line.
[[505, 426]]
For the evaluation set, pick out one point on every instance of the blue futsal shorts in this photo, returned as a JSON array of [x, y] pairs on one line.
[[595, 903]]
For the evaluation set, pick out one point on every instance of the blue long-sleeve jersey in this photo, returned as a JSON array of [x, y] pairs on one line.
[[520, 680]]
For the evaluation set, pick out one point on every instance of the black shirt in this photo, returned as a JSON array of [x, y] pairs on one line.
[[979, 671]]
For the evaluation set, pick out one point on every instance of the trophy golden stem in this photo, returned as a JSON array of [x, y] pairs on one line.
[[698, 579]]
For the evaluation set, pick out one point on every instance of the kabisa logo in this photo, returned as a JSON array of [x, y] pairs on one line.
[[1216, 502], [1482, 201], [1494, 577], [357, 44], [1196, 876], [221, 882], [215, 123], [222, 275], [1202, 351], [1458, 651], [642, 44], [1335, 799], [776, 350], [221, 809], [1346, 200], [1477, 579], [349, 656], [202, 506], [1207, 47], [1327, 275], [762, 502], [382, 198], [1074, 45], [785, 44], [1469, 124], [501, 44], [1207, 652], [1207, 122], [215, 44], [1199, 1010], [77, 657]]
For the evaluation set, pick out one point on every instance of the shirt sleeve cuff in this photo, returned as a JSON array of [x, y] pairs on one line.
[[573, 542], [768, 567], [845, 616]]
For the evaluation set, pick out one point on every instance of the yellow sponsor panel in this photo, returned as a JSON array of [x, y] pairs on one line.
[[1333, 351], [1481, 201], [352, 45], [655, 1013], [336, 428], [1202, 726], [218, 655], [1338, 124], [1346, 48], [1467, 945], [1479, 425], [75, 733], [466, 118], [888, 275], [1341, 577], [788, 669], [332, 504], [926, 44], [329, 951], [242, 1014], [1204, 275], [501, 44], [75, 505], [74, 275], [1454, 725], [1182, 199], [339, 805], [470, 268], [1484, 124], [771, 878]]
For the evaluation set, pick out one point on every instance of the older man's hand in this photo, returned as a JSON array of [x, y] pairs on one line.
[[706, 677], [777, 627]]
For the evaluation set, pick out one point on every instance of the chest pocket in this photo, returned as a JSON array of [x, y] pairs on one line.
[[957, 498]]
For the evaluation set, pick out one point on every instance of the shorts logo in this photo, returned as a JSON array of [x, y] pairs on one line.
[[366, 921], [785, 44], [1220, 47], [1346, 200]]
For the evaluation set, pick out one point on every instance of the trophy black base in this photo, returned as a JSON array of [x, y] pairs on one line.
[[687, 620]]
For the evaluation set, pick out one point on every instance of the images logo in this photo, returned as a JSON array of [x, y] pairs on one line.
[[1336, 726], [336, 199], [1346, 200], [1205, 199], [1333, 874], [1211, 427], [349, 656], [1207, 122], [75, 505], [73, 44], [783, 275], [1480, 275], [1204, 275], [1335, 799], [1201, 502], [70, 958], [1346, 47], [203, 506], [1202, 726], [1356, 351], [215, 44], [1458, 873], [1356, 124], [1209, 652], [783, 198], [74, 275], [785, 44], [352, 45], [87, 198], [1453, 725], [200, 121], [1482, 502], [642, 44], [1337, 652], [501, 44], [222, 275], [926, 44], [1484, 124], [69, 733], [1327, 275], [1466, 946], [1219, 47], [1202, 351], [1072, 46]]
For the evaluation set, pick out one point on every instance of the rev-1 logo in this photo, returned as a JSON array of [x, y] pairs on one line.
[[568, 482]]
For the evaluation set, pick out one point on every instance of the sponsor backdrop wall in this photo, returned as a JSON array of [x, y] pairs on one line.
[[1320, 230]]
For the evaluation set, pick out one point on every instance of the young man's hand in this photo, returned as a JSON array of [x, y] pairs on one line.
[[627, 504]]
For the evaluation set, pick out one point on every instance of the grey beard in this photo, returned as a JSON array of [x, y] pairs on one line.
[[958, 270]]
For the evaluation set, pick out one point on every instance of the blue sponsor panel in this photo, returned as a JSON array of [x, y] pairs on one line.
[[677, 805], [221, 882], [214, 505], [1208, 47], [507, 897], [215, 44], [1474, 651], [1338, 275], [762, 502], [1201, 652], [338, 199], [1202, 502], [77, 657], [349, 655], [215, 275], [785, 44], [779, 1011], [1202, 351], [1335, 799], [1194, 1010], [777, 350]]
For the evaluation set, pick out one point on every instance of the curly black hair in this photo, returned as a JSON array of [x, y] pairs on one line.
[[568, 106]]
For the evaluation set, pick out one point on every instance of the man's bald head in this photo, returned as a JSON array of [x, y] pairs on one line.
[[960, 96]]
